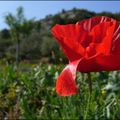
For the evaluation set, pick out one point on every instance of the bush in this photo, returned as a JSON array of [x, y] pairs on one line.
[[30, 47], [48, 45]]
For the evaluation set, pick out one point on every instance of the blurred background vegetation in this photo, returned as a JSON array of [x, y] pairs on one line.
[[32, 40], [29, 92]]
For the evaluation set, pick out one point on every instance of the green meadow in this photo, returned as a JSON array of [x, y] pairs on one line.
[[29, 93]]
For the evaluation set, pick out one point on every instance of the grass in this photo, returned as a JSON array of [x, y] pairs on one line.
[[29, 93]]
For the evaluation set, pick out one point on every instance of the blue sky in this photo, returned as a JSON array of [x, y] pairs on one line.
[[39, 9]]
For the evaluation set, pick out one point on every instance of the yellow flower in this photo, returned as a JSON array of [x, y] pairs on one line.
[[104, 92]]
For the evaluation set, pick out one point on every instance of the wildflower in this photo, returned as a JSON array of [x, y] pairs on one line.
[[104, 92], [90, 45]]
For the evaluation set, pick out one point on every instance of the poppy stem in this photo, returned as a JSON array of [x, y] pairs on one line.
[[89, 82]]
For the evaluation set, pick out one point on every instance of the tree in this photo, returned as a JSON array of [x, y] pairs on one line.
[[5, 34], [19, 27]]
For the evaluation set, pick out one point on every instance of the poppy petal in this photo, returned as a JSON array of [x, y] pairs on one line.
[[65, 84], [115, 49], [89, 64], [88, 24], [109, 62], [100, 62], [102, 35], [69, 37]]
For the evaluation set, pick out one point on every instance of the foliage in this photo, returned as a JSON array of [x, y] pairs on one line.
[[29, 93], [35, 35], [33, 45], [19, 26], [48, 45]]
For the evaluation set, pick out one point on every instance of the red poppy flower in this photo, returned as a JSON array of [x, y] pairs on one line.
[[91, 45]]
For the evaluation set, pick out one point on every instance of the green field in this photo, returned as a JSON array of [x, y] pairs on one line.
[[29, 93]]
